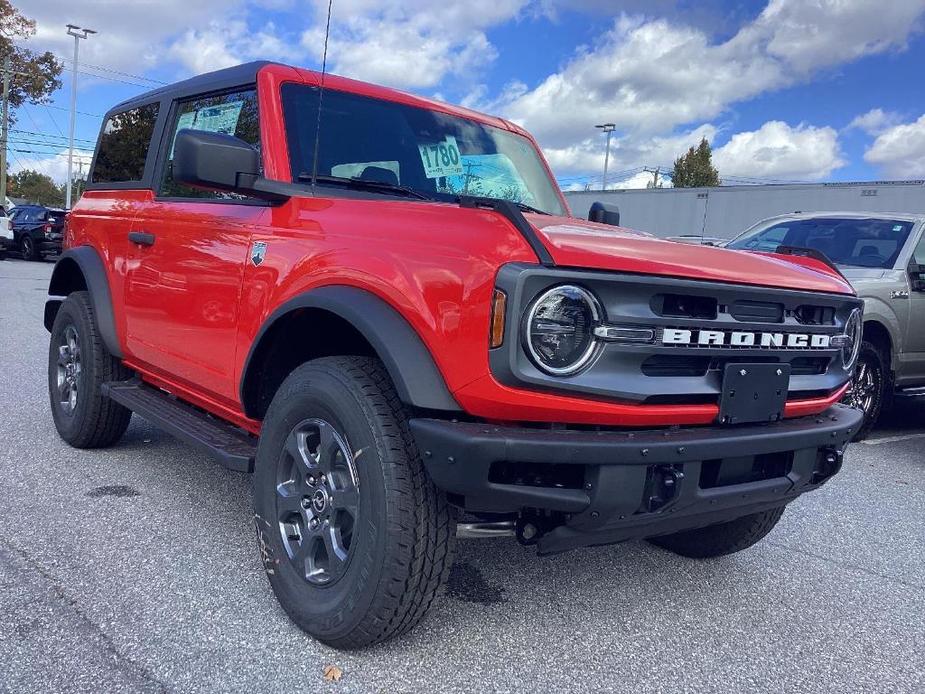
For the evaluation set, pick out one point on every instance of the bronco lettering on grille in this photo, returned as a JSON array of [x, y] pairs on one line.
[[722, 338]]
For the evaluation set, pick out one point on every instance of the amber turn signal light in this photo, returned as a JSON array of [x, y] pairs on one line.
[[498, 308]]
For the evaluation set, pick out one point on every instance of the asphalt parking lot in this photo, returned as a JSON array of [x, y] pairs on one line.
[[135, 569]]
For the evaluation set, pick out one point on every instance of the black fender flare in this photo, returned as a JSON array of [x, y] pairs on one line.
[[94, 274], [407, 359]]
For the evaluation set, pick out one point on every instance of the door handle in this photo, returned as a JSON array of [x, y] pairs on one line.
[[142, 238]]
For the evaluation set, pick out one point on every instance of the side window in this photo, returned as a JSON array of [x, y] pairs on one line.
[[123, 146], [234, 113]]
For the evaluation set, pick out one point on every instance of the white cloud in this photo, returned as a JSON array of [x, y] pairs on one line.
[[626, 151], [812, 34], [54, 166], [875, 121], [223, 44], [900, 150], [643, 179], [779, 151], [409, 43], [132, 36], [653, 76]]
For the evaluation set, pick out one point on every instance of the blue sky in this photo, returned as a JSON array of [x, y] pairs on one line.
[[786, 90]]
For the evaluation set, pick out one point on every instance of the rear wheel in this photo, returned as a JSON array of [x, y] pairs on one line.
[[870, 386], [27, 248], [78, 365], [722, 538], [355, 539]]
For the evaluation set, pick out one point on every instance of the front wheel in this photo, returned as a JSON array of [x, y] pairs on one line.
[[354, 537], [722, 538], [869, 389]]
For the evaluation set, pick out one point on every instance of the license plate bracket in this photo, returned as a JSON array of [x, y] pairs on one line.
[[754, 393]]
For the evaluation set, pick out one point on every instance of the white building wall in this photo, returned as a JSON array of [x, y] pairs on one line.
[[726, 211]]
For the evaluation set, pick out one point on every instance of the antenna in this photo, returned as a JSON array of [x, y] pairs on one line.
[[324, 67]]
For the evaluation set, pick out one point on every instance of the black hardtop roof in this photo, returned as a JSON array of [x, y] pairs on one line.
[[208, 82]]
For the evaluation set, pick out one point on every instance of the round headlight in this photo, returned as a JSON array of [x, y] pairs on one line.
[[854, 329], [560, 329]]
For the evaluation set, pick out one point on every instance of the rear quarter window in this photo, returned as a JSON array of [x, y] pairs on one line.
[[123, 146]]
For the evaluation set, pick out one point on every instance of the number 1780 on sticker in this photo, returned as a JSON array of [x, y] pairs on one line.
[[441, 158]]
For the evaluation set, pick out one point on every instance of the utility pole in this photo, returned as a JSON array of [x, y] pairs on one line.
[[78, 33], [6, 128], [655, 172], [607, 128]]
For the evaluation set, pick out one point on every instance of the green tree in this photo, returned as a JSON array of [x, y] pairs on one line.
[[37, 73], [36, 187], [695, 169]]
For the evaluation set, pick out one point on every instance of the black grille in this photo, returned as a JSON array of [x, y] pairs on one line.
[[815, 315], [683, 306], [757, 312], [809, 366], [680, 365], [672, 365]]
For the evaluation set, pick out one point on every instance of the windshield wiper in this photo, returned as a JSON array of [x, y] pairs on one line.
[[365, 184], [488, 200]]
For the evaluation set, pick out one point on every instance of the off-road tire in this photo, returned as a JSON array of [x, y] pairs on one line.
[[873, 356], [28, 248], [722, 538], [96, 421], [403, 544]]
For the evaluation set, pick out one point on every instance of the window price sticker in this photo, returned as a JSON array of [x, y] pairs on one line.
[[441, 159]]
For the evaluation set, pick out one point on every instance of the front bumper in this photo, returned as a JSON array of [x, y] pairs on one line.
[[609, 486]]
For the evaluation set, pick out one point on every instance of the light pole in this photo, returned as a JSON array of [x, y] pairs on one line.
[[607, 128], [78, 33]]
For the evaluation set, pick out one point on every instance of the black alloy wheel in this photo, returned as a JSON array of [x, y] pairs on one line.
[[317, 501], [69, 367], [27, 248]]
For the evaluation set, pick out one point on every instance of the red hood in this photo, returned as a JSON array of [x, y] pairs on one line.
[[577, 243]]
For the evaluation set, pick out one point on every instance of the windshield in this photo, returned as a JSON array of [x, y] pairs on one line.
[[436, 154], [873, 243]]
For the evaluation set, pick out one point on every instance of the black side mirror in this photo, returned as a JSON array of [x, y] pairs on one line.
[[216, 161], [917, 276], [604, 213]]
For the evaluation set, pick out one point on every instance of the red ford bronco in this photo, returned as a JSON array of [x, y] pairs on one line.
[[380, 305]]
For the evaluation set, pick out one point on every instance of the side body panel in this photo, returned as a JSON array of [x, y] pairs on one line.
[[101, 220], [181, 293]]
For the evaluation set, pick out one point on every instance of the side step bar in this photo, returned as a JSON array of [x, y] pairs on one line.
[[229, 445]]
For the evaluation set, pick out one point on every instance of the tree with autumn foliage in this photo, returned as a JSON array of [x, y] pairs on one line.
[[37, 74]]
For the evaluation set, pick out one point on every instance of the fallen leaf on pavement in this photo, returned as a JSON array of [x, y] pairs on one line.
[[332, 673]]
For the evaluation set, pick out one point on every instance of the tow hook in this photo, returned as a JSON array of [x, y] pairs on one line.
[[529, 528], [830, 461], [666, 481]]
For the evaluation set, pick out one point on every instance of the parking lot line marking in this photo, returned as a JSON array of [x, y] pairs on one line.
[[893, 439]]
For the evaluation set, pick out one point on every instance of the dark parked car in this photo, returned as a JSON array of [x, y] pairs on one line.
[[37, 230]]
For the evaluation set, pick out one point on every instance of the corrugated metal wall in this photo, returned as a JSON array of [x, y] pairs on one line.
[[728, 210]]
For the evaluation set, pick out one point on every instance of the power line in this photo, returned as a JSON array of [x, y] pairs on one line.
[[51, 136], [116, 72], [81, 113], [146, 84]]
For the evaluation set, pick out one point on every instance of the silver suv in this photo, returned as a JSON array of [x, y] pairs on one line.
[[883, 256]]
